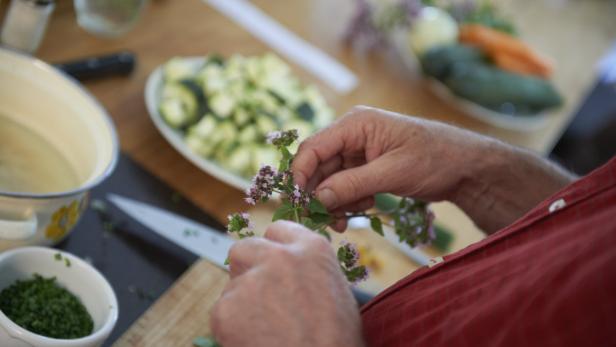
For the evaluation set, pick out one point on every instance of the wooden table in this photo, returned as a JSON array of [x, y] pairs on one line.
[[575, 33]]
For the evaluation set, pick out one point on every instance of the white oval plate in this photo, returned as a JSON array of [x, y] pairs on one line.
[[501, 120], [153, 89]]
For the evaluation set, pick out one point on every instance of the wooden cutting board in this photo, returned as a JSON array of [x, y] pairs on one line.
[[182, 313]]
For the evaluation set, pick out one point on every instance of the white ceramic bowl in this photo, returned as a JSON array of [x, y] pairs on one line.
[[59, 110], [80, 278]]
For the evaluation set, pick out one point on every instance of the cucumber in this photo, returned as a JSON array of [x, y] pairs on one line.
[[222, 104], [248, 135], [266, 125], [239, 160], [179, 105], [178, 69], [205, 127]]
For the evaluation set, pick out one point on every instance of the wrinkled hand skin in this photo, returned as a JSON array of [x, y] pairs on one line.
[[371, 151], [286, 289]]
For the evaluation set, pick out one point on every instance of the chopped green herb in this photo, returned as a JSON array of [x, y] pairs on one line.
[[191, 232], [176, 198], [58, 257], [108, 226], [142, 294], [41, 306], [99, 206]]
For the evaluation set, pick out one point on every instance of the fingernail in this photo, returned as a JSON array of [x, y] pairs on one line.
[[327, 197], [299, 178]]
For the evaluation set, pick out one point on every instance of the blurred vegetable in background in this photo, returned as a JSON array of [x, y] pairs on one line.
[[468, 46]]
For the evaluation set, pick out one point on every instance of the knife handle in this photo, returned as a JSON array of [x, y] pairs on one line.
[[122, 63]]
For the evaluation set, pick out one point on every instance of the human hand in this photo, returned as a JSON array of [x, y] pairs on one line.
[[286, 289], [371, 151]]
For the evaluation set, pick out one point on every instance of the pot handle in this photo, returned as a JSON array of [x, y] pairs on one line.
[[18, 229]]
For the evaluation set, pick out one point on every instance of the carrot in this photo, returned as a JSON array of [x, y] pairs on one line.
[[511, 63], [508, 52]]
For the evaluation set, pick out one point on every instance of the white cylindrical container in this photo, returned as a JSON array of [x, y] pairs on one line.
[[25, 24]]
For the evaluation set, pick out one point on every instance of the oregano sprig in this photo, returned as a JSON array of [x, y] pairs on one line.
[[411, 219]]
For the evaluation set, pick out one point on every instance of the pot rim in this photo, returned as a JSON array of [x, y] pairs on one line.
[[106, 118]]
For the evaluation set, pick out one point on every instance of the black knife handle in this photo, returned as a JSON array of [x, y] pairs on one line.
[[121, 63]]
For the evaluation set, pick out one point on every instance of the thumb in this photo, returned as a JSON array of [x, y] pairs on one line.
[[348, 186]]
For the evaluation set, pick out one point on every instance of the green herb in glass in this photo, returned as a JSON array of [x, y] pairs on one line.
[[41, 306]]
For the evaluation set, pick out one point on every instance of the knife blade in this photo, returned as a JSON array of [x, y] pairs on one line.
[[200, 239]]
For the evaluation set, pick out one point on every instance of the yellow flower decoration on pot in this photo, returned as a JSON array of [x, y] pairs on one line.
[[63, 220]]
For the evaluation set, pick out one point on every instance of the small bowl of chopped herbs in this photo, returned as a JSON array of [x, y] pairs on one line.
[[50, 298]]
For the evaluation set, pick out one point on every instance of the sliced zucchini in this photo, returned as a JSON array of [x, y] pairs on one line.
[[212, 79], [222, 104], [178, 69], [200, 145], [266, 125], [239, 160], [264, 155], [248, 135], [179, 104], [241, 116], [205, 127]]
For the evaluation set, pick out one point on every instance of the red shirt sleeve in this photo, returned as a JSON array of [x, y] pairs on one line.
[[549, 279]]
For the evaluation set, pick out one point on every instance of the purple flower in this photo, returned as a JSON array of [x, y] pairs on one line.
[[263, 184], [351, 258]]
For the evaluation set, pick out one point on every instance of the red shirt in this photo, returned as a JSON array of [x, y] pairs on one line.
[[548, 279]]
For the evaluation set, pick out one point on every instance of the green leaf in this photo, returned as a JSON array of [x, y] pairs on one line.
[[319, 218], [285, 211], [386, 202], [324, 233], [377, 225], [316, 206], [285, 162], [355, 274], [309, 223]]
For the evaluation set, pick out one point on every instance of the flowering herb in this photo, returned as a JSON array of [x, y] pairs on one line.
[[348, 256], [412, 219]]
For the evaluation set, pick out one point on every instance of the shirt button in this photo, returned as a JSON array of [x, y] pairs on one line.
[[435, 261], [557, 205]]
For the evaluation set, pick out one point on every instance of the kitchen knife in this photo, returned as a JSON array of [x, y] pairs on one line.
[[195, 237], [121, 63]]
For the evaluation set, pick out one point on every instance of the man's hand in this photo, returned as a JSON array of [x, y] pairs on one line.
[[373, 151], [286, 289]]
